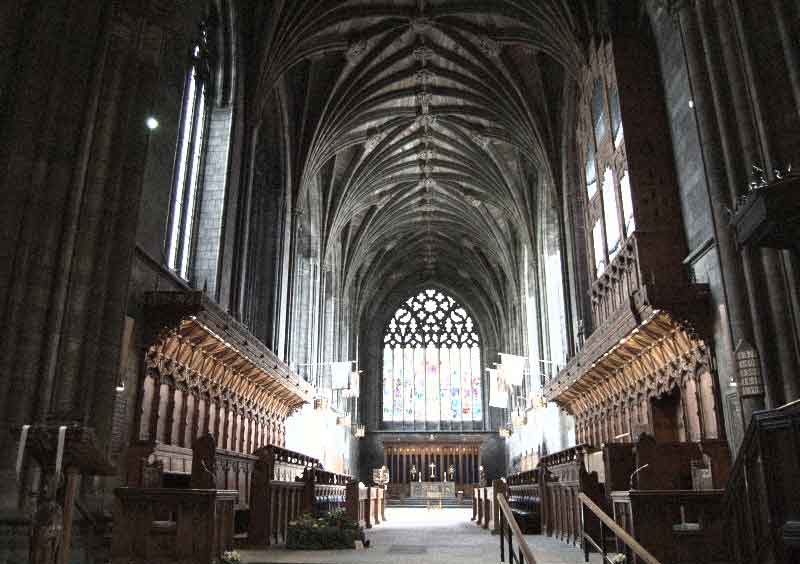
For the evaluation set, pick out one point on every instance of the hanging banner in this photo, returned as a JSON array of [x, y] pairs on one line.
[[340, 374], [355, 384], [498, 395], [513, 368]]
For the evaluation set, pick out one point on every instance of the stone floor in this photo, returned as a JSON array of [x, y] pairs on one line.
[[419, 536]]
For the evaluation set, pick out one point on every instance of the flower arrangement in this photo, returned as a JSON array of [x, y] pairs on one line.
[[332, 530], [231, 557], [618, 558]]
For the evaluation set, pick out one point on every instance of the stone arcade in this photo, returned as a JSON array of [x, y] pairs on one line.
[[537, 258]]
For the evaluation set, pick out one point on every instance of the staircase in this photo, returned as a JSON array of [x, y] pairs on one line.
[[447, 502]]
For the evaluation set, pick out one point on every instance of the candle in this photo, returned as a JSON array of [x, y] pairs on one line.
[[62, 435], [23, 438]]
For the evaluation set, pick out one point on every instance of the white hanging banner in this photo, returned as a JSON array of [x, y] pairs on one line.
[[513, 368], [62, 435], [498, 395], [23, 439], [340, 374]]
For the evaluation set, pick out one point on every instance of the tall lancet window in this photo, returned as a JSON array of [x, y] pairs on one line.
[[189, 157], [432, 366], [609, 208]]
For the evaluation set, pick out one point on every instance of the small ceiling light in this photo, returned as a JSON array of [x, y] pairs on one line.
[[151, 123], [691, 104]]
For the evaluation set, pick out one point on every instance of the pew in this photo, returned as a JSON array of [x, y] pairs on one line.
[[365, 504], [186, 524], [675, 525], [762, 500], [277, 492], [667, 465], [199, 527], [668, 496], [233, 471], [323, 491], [484, 505], [563, 477], [525, 500]]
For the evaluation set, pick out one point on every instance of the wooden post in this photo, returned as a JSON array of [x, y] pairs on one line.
[[69, 505], [309, 487], [487, 507], [498, 487], [368, 512], [383, 506], [377, 504], [352, 501]]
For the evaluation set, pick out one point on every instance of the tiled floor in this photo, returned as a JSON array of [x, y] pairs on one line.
[[419, 536]]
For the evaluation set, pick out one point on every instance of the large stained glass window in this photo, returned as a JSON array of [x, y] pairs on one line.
[[432, 364]]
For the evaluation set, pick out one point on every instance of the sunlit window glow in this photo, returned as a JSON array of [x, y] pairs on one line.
[[627, 204], [431, 362], [611, 214], [188, 164]]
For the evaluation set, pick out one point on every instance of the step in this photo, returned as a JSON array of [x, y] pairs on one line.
[[423, 502]]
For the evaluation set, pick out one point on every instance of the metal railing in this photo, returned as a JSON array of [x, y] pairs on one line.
[[509, 525], [606, 522]]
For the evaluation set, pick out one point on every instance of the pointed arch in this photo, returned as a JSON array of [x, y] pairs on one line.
[[432, 365]]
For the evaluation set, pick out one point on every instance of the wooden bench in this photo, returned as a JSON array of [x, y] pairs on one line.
[[564, 477], [484, 505], [170, 524], [675, 525], [185, 524], [365, 504], [525, 500], [277, 493]]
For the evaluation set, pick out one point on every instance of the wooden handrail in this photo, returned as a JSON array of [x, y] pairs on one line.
[[623, 535], [505, 509]]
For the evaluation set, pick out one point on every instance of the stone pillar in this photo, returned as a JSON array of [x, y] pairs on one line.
[[168, 424], [714, 162]]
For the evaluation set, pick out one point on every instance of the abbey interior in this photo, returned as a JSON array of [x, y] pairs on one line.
[[530, 262]]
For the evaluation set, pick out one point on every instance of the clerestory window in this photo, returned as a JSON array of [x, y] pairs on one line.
[[189, 157], [610, 218], [432, 364]]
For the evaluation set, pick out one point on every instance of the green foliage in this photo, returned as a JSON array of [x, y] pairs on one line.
[[331, 531], [231, 557]]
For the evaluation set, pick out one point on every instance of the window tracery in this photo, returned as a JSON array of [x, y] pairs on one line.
[[431, 362], [609, 209]]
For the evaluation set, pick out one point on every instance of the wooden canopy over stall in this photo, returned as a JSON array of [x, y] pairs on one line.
[[193, 334], [641, 359], [650, 346], [206, 373]]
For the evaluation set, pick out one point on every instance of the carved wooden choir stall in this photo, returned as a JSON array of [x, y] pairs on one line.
[[208, 464], [287, 484]]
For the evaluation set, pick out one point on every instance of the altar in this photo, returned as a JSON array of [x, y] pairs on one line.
[[433, 489]]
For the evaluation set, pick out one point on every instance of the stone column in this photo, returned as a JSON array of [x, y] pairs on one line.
[[716, 178], [170, 419]]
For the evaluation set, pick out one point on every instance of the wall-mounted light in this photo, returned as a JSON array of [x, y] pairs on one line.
[[151, 122], [691, 104]]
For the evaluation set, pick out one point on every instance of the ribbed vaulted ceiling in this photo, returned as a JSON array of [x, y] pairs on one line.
[[422, 130]]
